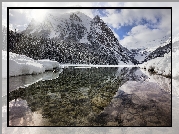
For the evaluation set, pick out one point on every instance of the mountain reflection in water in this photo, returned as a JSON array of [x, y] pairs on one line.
[[92, 97]]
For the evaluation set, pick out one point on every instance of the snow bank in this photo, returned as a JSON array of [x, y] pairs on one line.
[[27, 67], [175, 64], [4, 64], [48, 64], [160, 65], [21, 64]]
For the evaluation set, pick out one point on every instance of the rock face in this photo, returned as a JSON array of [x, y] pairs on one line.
[[72, 38]]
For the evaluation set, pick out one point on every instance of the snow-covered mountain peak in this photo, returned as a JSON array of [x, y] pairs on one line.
[[97, 19], [62, 26], [74, 17], [77, 29], [82, 16]]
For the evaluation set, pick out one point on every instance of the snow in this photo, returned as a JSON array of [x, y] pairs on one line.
[[28, 67], [161, 65], [58, 24], [175, 55], [140, 58], [175, 87], [175, 64], [163, 82], [4, 64], [21, 65], [175, 38], [48, 64]]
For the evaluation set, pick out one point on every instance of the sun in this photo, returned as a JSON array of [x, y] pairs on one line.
[[39, 14]]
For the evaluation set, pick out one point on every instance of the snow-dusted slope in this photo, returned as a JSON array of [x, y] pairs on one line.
[[159, 65], [160, 51], [160, 42], [175, 55], [150, 52], [175, 64], [162, 65], [175, 43], [67, 26], [139, 54], [78, 39], [101, 34], [21, 64]]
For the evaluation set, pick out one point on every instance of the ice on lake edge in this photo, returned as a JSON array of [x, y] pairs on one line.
[[21, 64]]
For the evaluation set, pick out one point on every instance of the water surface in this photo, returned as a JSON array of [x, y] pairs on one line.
[[103, 96]]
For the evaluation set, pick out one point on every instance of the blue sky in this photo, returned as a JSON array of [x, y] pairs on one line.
[[122, 31], [138, 27], [130, 26]]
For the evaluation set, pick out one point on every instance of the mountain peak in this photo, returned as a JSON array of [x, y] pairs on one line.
[[97, 18], [93, 36], [73, 16]]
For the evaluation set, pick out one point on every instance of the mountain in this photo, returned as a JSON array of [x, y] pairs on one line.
[[147, 53], [67, 26], [79, 39], [159, 61], [175, 43], [76, 38], [160, 51], [139, 54]]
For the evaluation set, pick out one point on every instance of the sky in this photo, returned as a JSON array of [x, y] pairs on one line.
[[132, 27]]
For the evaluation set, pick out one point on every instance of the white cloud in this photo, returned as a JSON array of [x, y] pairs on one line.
[[19, 17], [126, 17], [175, 11], [142, 36], [135, 16], [27, 14]]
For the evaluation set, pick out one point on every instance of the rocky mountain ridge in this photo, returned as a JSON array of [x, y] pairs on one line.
[[76, 39]]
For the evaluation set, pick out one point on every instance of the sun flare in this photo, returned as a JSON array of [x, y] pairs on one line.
[[38, 14]]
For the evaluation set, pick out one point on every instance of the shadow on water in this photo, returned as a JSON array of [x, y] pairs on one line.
[[88, 97]]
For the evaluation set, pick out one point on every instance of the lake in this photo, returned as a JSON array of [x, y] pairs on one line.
[[90, 96]]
